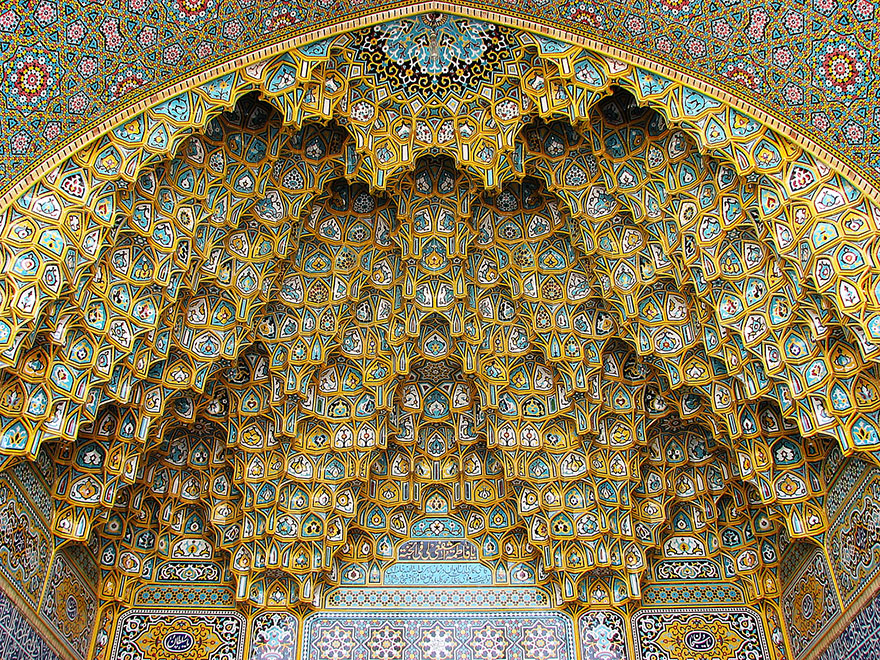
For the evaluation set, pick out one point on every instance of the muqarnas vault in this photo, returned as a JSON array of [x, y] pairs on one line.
[[440, 339]]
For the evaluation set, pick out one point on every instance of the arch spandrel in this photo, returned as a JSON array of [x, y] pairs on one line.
[[824, 99], [589, 322]]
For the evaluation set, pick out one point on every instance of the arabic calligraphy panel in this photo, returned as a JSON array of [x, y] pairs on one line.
[[694, 634]]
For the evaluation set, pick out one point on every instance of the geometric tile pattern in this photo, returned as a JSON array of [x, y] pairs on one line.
[[439, 636], [496, 598], [682, 594], [494, 286], [435, 314], [63, 71]]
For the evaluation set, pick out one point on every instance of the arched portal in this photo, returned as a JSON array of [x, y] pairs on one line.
[[433, 338]]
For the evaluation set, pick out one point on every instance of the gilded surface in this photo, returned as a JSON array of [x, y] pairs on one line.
[[810, 65], [536, 320]]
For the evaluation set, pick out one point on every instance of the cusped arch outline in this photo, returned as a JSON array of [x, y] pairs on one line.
[[217, 74], [792, 184]]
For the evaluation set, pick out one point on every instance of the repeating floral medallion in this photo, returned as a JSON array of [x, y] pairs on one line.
[[438, 636], [52, 77], [32, 78], [842, 67]]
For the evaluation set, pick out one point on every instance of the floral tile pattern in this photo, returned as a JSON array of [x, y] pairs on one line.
[[810, 603], [18, 639], [162, 634], [432, 316], [439, 636], [810, 64], [697, 634]]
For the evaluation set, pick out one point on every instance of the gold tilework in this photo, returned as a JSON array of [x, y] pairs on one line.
[[441, 279]]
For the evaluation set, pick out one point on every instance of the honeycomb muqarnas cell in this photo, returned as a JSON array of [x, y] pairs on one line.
[[440, 315]]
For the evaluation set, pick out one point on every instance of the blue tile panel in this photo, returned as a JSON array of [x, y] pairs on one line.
[[18, 640], [860, 640]]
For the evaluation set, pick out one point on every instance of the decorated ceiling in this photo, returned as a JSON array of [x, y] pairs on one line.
[[70, 70], [442, 289]]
